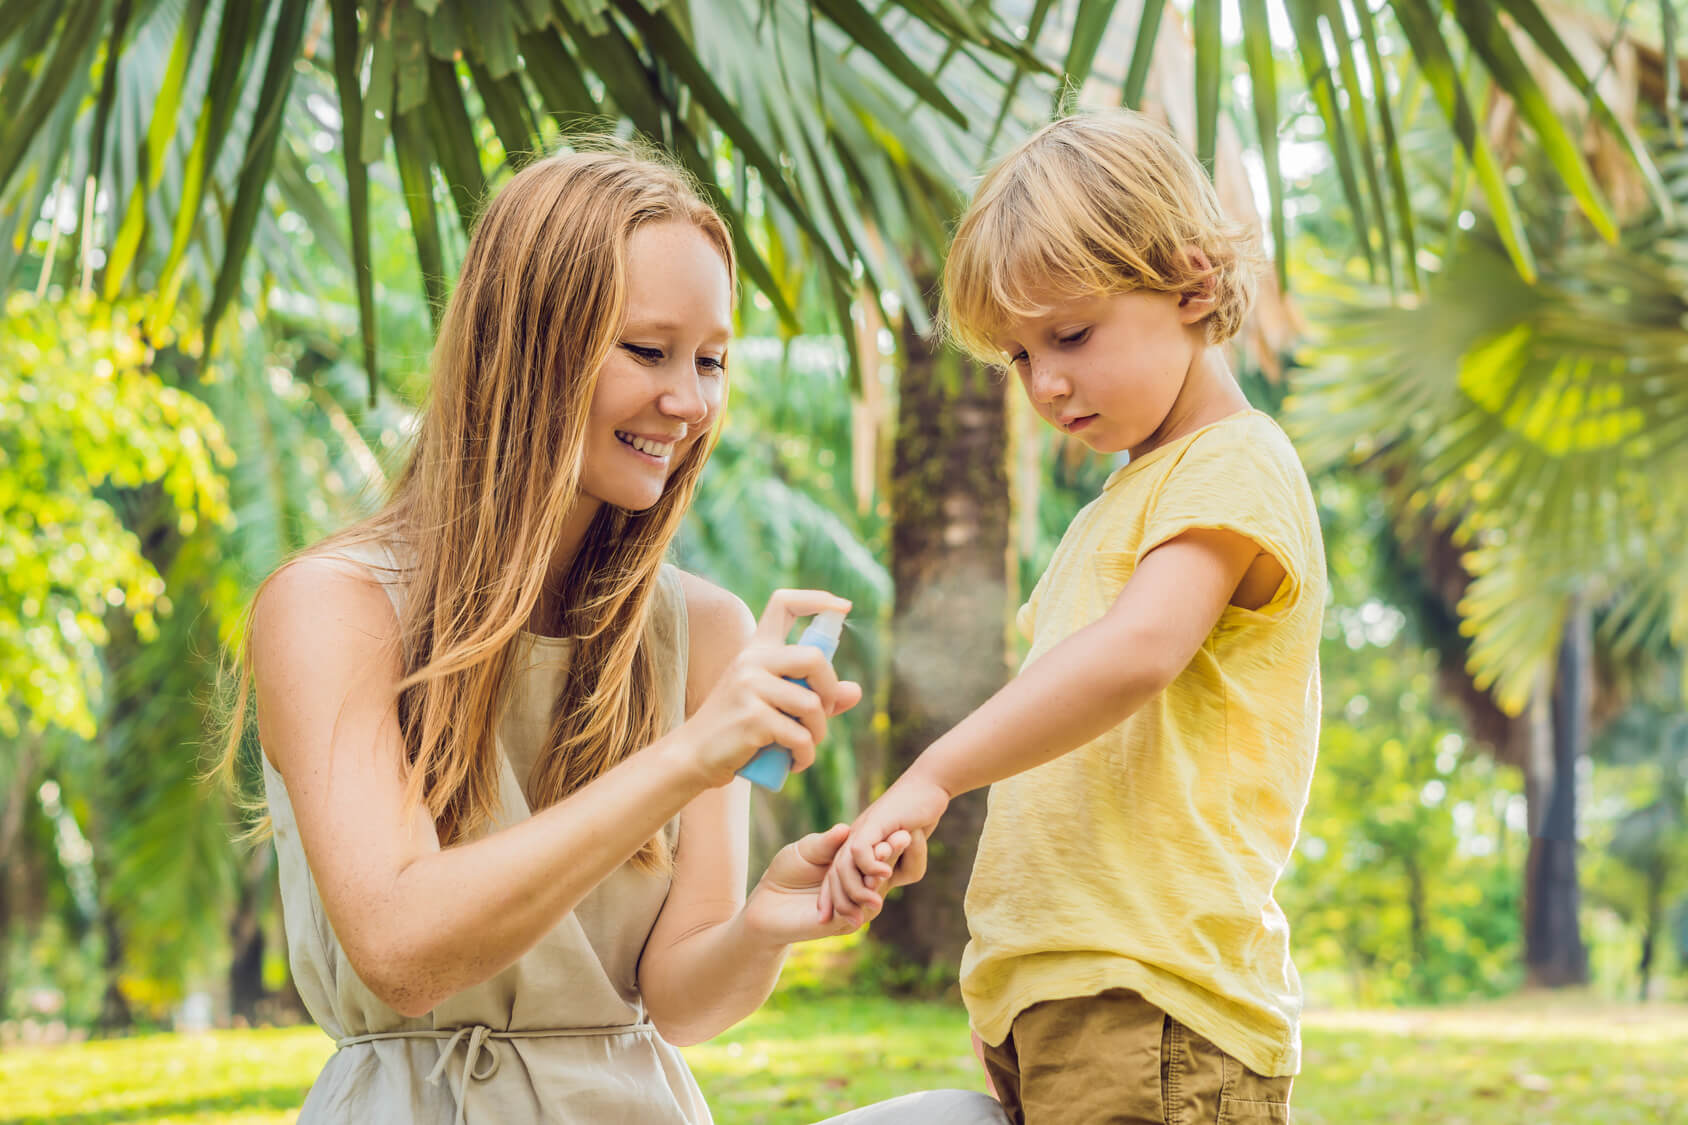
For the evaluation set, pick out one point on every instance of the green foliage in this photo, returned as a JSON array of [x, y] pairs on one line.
[[1403, 887], [82, 414], [1534, 420]]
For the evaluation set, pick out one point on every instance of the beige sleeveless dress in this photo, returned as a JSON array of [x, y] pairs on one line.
[[559, 1036]]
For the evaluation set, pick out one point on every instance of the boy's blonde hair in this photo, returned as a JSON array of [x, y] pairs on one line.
[[1095, 203]]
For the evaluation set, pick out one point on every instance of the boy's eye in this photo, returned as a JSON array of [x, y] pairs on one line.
[[1018, 358], [644, 355], [1077, 337]]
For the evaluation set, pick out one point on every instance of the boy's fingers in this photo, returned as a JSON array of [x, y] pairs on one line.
[[850, 879], [867, 859]]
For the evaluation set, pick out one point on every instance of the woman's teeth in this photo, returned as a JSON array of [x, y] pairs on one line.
[[654, 448]]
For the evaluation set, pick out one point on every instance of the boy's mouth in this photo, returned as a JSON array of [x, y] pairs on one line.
[[1074, 425]]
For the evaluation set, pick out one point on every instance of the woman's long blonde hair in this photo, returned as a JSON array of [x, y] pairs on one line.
[[494, 470]]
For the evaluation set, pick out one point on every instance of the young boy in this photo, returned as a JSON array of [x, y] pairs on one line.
[[1151, 762]]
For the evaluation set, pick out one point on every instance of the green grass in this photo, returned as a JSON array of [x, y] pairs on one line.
[[1526, 1061]]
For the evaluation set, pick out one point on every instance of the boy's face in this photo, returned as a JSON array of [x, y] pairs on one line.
[[1108, 369]]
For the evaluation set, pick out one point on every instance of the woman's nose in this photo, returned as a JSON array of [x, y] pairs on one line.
[[686, 401]]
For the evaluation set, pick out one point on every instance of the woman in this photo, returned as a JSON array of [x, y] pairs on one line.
[[500, 734]]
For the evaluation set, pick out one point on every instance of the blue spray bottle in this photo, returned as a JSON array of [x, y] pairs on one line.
[[773, 762]]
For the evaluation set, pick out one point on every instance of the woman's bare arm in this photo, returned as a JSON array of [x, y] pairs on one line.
[[418, 922]]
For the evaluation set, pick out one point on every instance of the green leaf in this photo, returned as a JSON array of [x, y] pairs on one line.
[[1263, 80], [1205, 23], [1142, 54], [868, 33], [346, 59], [1480, 20], [76, 42], [410, 57], [235, 41], [162, 129], [1090, 23], [259, 159], [1304, 17], [1534, 23], [507, 105], [108, 87], [410, 142], [557, 76], [454, 141], [1391, 146], [1418, 24], [1336, 20], [1034, 28], [493, 28], [378, 98]]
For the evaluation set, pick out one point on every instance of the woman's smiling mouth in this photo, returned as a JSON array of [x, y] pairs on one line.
[[654, 449]]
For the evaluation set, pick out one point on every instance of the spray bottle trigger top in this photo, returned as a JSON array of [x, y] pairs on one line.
[[824, 631]]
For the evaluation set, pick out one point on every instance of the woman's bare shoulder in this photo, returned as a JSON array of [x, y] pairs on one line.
[[324, 592], [718, 624]]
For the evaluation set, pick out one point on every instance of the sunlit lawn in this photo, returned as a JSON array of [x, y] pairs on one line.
[[1522, 1062]]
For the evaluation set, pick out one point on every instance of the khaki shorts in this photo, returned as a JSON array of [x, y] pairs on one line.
[[1116, 1059]]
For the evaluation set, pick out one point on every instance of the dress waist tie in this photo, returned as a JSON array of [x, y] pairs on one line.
[[476, 1035]]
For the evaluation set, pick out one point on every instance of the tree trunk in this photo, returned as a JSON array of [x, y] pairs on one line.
[[1657, 873], [1418, 923], [1554, 954], [13, 866], [246, 943], [951, 563], [115, 1014]]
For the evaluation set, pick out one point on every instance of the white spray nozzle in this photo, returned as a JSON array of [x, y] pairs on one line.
[[829, 625]]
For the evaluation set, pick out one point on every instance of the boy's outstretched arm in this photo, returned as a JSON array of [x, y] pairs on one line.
[[1089, 683]]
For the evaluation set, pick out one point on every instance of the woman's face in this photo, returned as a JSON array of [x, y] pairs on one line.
[[664, 382]]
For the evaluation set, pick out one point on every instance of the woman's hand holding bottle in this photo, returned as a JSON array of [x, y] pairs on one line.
[[754, 702]]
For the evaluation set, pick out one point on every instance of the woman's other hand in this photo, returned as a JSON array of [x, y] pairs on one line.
[[782, 908]]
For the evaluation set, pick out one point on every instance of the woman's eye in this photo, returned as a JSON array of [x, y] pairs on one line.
[[1077, 337], [710, 363], [645, 355]]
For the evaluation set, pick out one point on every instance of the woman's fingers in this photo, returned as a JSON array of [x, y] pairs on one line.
[[819, 848], [809, 664], [786, 606]]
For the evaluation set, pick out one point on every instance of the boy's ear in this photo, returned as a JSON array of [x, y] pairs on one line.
[[1197, 303]]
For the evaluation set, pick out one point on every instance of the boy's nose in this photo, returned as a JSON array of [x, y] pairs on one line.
[[1047, 384]]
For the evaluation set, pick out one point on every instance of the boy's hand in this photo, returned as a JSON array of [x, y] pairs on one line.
[[911, 805], [781, 909]]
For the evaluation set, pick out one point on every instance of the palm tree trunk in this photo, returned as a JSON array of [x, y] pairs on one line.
[[1554, 954], [951, 562]]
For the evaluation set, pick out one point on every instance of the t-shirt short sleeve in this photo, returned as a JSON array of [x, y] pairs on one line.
[[1245, 479]]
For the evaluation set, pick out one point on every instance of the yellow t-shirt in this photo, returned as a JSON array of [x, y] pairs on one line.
[[1146, 858]]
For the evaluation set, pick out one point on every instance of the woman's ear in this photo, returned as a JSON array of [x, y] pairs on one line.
[[1197, 303]]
